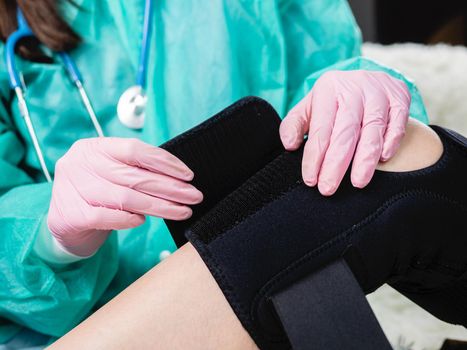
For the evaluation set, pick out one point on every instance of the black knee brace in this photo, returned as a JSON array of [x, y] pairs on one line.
[[264, 233]]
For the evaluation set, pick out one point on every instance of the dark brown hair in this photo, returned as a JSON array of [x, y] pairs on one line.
[[45, 20]]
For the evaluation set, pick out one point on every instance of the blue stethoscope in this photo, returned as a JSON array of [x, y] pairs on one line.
[[131, 105]]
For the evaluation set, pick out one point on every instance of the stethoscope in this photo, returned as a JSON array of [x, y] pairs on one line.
[[131, 105]]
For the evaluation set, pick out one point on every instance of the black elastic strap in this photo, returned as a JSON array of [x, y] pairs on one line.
[[328, 310]]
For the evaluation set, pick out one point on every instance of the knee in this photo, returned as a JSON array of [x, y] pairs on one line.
[[420, 148]]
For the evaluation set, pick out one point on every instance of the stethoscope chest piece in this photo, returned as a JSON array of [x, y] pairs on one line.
[[131, 108]]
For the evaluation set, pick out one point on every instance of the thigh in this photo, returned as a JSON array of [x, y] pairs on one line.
[[176, 305]]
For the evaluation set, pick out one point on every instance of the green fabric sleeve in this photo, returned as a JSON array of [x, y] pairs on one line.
[[45, 297], [417, 107]]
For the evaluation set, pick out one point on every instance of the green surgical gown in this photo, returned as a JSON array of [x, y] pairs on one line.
[[204, 55]]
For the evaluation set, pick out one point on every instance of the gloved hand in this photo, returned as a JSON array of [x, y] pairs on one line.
[[103, 184], [348, 114]]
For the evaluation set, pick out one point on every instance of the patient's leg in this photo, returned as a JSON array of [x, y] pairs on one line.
[[178, 304]]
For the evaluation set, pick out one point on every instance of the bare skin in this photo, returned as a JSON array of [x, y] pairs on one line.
[[420, 148], [178, 305]]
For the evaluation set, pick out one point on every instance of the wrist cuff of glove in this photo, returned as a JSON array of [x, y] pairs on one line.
[[50, 250]]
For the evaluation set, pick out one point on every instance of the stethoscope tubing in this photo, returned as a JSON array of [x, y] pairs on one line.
[[22, 32], [73, 72], [16, 84], [145, 44], [23, 107]]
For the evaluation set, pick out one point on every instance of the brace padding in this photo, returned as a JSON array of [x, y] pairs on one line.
[[224, 151]]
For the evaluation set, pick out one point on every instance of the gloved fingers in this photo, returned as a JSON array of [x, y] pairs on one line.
[[370, 144], [151, 183], [395, 131], [344, 138], [396, 90], [101, 218], [399, 106], [127, 199], [295, 125], [324, 109], [137, 153]]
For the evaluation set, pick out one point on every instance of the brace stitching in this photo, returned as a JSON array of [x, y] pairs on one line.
[[241, 309], [264, 291], [227, 289]]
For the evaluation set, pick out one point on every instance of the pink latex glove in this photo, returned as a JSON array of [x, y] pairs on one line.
[[348, 114], [102, 184]]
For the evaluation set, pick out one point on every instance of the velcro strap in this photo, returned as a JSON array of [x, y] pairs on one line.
[[224, 151], [328, 310]]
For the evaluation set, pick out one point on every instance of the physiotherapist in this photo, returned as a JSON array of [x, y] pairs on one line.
[[69, 245]]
